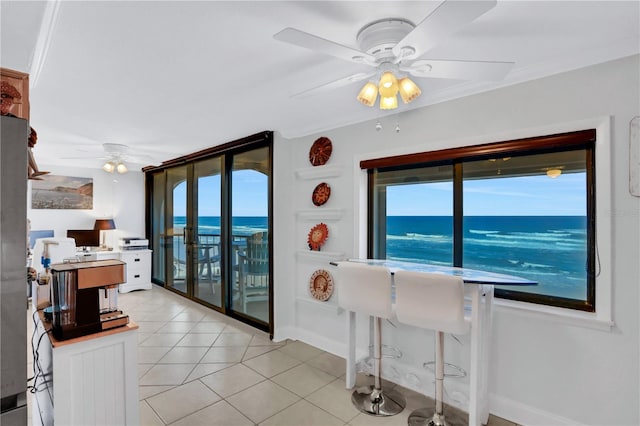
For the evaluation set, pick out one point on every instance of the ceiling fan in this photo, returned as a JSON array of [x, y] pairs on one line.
[[116, 156], [396, 47]]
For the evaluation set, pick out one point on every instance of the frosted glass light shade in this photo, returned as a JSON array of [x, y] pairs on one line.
[[388, 102], [121, 168], [368, 94], [109, 167], [388, 84], [409, 91]]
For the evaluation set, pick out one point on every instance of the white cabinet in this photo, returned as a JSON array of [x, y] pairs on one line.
[[89, 380], [138, 270]]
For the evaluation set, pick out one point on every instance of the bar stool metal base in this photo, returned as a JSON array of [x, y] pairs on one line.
[[428, 417], [378, 402]]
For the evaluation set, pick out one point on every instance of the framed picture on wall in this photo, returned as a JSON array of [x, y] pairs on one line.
[[62, 192]]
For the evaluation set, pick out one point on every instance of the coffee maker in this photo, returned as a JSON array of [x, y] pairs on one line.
[[84, 297]]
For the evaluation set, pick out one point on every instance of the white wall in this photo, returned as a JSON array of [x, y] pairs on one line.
[[546, 369], [120, 196]]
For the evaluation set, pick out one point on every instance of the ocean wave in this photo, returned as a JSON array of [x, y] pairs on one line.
[[434, 238], [570, 244], [482, 231], [523, 244], [416, 235], [570, 231], [529, 265], [531, 236]]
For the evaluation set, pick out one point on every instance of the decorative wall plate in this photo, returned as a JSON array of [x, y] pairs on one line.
[[321, 285], [321, 194], [320, 151], [317, 236]]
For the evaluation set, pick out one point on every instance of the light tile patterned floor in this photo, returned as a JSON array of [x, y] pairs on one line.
[[198, 367]]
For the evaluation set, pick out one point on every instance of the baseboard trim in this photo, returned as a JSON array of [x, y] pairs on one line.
[[525, 414]]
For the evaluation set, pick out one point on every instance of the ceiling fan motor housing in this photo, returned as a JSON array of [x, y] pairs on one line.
[[379, 37]]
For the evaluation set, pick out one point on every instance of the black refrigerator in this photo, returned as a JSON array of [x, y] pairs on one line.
[[13, 261]]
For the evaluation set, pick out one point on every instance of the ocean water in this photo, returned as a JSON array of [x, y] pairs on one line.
[[551, 250], [243, 226]]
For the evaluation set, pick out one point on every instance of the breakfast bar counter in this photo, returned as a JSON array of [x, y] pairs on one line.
[[479, 288]]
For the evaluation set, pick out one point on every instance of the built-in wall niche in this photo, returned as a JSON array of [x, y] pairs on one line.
[[325, 215], [312, 274], [319, 172], [319, 256]]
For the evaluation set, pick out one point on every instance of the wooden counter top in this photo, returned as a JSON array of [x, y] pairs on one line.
[[57, 343]]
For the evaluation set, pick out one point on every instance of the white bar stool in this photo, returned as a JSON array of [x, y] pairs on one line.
[[433, 301], [367, 290]]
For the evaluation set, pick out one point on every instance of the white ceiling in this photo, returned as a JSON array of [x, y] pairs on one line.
[[172, 77]]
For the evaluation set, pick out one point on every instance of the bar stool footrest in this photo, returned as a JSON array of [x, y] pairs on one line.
[[450, 370]]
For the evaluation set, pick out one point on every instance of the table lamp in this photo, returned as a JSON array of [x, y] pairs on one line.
[[104, 225]]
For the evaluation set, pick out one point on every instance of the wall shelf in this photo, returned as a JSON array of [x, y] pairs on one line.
[[329, 305], [322, 256], [318, 172], [326, 215]]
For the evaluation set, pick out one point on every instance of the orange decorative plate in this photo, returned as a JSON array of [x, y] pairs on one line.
[[320, 151], [321, 194], [317, 236], [321, 285]]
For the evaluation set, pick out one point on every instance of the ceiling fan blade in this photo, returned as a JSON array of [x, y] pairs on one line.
[[459, 70], [319, 44], [139, 159], [115, 148], [449, 17], [333, 85]]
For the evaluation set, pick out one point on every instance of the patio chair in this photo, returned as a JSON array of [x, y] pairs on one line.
[[254, 270]]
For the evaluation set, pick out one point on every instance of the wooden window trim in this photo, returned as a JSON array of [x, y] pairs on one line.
[[551, 142], [583, 139]]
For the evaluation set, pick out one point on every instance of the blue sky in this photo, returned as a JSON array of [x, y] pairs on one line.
[[516, 196], [249, 195]]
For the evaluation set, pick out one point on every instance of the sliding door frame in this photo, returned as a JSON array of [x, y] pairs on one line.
[[227, 150]]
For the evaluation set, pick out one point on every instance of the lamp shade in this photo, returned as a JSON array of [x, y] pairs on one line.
[[121, 168], [109, 167], [388, 102], [408, 90], [104, 224], [368, 94], [388, 84]]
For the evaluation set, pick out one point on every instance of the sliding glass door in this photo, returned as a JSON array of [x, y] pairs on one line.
[[206, 238], [250, 236], [210, 225], [176, 229]]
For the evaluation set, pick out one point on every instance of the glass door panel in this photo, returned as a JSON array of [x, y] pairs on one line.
[[159, 240], [207, 265], [249, 275], [176, 232]]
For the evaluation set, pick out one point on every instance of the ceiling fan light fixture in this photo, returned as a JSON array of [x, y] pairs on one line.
[[368, 94], [388, 102], [409, 91], [109, 167], [121, 168]]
